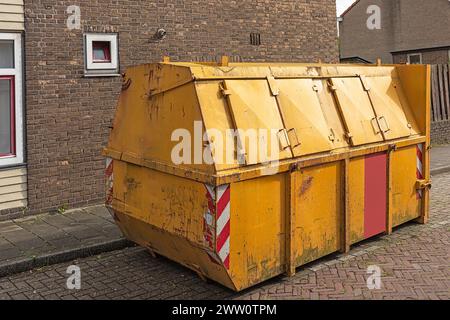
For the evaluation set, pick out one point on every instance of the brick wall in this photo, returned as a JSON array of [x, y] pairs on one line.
[[440, 132], [68, 115], [437, 56], [405, 25]]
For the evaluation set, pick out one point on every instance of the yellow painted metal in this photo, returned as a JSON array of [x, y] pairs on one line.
[[318, 213], [253, 108], [391, 107], [405, 205], [356, 199], [362, 124], [258, 230], [328, 118], [310, 123]]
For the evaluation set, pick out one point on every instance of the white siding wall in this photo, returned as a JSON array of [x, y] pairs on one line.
[[11, 15], [13, 188]]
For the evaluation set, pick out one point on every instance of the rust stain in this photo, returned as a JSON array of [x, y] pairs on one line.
[[306, 185]]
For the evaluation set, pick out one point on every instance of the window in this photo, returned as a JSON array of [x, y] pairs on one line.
[[101, 54], [415, 58], [11, 111], [7, 118], [255, 39], [101, 51]]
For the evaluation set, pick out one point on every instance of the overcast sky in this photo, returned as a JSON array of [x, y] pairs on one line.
[[342, 5]]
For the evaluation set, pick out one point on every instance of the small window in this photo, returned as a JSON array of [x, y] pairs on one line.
[[7, 118], [101, 54], [415, 58], [7, 54], [255, 39]]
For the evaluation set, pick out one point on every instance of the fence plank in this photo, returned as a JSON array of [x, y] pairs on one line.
[[447, 90], [441, 92], [434, 93]]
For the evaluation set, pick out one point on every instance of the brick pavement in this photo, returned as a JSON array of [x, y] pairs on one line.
[[38, 240], [440, 156], [414, 262]]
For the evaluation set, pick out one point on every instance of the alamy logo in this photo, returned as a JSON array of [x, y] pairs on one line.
[[374, 19], [74, 280], [374, 280], [215, 146], [74, 19]]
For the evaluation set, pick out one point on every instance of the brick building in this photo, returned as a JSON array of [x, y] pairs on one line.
[[65, 76], [411, 31]]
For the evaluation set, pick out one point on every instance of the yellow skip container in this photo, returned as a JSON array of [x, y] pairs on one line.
[[349, 159]]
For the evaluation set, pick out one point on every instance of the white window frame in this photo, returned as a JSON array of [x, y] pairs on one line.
[[415, 54], [92, 66], [17, 72]]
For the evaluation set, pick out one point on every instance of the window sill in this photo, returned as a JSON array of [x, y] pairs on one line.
[[101, 75]]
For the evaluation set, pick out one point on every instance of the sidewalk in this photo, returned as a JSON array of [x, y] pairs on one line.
[[440, 159], [37, 241]]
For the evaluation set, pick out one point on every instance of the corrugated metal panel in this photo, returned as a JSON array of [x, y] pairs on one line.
[[13, 188], [11, 15]]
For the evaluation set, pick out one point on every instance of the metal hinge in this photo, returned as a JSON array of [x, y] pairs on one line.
[[223, 91]]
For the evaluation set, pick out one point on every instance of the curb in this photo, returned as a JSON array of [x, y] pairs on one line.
[[23, 265], [440, 170]]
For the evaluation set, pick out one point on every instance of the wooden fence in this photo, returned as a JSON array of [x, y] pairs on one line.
[[440, 92]]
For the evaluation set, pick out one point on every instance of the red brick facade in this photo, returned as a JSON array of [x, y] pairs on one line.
[[68, 115]]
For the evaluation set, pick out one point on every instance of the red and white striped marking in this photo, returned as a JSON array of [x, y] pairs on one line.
[[223, 224], [109, 174], [217, 223], [419, 171]]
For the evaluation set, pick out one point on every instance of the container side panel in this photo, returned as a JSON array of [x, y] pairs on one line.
[[393, 111], [331, 114], [167, 202], [308, 129], [406, 203], [257, 246], [375, 195], [255, 110], [166, 128], [318, 212], [218, 122], [357, 111], [356, 199]]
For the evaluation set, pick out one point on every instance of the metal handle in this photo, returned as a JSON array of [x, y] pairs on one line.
[[296, 137], [286, 137], [385, 122], [375, 126]]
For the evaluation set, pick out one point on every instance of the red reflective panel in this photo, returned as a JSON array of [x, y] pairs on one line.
[[375, 195]]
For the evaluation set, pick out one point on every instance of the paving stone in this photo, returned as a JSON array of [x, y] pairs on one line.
[[414, 264]]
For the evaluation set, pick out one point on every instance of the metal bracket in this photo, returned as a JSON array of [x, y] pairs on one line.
[[423, 184], [332, 135]]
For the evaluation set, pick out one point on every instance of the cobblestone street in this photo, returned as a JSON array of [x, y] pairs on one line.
[[414, 263]]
